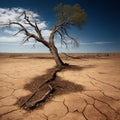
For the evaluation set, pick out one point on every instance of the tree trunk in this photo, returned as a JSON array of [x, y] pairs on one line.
[[56, 56], [60, 64]]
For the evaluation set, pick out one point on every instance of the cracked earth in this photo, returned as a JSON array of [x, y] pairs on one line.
[[89, 89]]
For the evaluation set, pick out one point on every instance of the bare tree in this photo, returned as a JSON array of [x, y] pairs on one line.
[[66, 16]]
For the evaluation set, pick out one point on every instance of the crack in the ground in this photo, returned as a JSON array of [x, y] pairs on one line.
[[7, 82], [109, 96], [8, 75], [67, 108], [93, 104], [103, 82], [46, 117], [116, 112], [84, 110], [8, 105], [8, 95], [46, 82], [102, 91], [6, 86], [12, 93], [9, 112], [5, 106], [95, 85], [100, 111]]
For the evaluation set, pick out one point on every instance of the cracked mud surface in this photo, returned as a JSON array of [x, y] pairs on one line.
[[88, 90]]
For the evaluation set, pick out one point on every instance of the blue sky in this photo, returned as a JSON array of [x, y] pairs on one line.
[[101, 33]]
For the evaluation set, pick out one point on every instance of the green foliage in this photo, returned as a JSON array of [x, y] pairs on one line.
[[73, 15]]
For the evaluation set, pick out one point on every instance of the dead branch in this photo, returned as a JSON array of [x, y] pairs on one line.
[[54, 30], [61, 29], [65, 33], [35, 26], [26, 39], [30, 35], [18, 32], [62, 38], [27, 19]]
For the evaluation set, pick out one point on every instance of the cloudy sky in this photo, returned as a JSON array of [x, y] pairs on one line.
[[101, 33]]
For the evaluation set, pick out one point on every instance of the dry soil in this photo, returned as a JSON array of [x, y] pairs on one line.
[[89, 89]]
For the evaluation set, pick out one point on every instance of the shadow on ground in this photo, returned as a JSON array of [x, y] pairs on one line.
[[60, 85]]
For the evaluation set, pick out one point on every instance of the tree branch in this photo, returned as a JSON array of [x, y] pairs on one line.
[[30, 35], [64, 32], [18, 32], [34, 26], [41, 39], [54, 30], [62, 38], [19, 24], [27, 19], [26, 39], [60, 28]]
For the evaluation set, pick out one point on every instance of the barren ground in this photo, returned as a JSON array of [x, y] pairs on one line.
[[89, 89]]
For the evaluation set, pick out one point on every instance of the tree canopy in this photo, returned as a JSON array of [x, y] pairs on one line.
[[73, 15], [68, 15]]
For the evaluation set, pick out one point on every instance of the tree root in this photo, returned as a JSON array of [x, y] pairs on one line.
[[70, 56], [33, 104], [29, 104]]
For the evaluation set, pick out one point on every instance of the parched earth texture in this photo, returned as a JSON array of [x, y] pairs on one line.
[[89, 89]]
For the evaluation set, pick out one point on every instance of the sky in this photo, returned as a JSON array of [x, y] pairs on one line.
[[101, 33]]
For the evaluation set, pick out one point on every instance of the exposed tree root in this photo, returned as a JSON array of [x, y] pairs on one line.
[[73, 57], [33, 104], [28, 104]]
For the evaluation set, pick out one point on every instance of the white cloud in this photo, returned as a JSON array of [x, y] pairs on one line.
[[42, 25], [17, 40], [46, 34], [11, 32], [7, 43], [10, 39], [6, 15], [14, 14]]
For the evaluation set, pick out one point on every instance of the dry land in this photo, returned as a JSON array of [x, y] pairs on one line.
[[89, 89]]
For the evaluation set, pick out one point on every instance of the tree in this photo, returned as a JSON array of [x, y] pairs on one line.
[[67, 16]]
